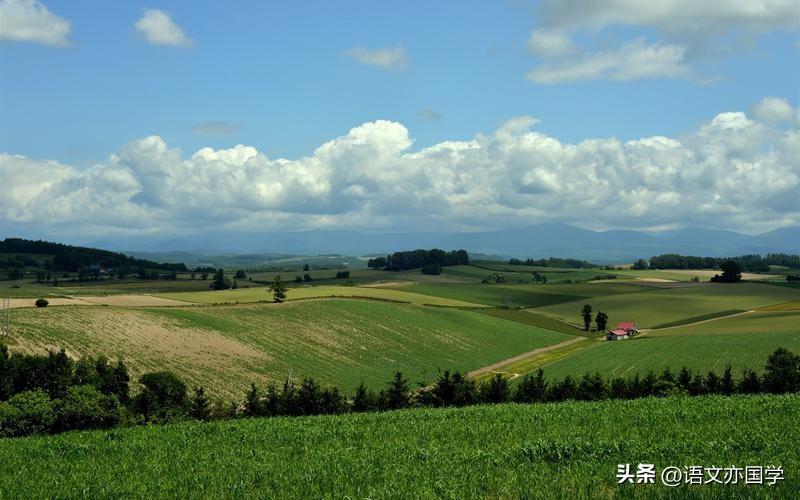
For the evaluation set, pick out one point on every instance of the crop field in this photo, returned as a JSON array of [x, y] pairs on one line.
[[756, 323], [337, 341], [565, 450], [655, 307], [529, 317], [263, 295], [698, 352], [523, 295]]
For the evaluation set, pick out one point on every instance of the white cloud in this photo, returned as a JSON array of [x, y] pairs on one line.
[[633, 61], [30, 21], [687, 33], [392, 59], [550, 43], [775, 110], [159, 29], [735, 171], [671, 15]]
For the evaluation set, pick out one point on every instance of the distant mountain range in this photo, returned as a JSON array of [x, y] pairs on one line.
[[541, 240]]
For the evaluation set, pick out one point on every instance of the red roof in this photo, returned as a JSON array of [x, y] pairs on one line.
[[618, 332], [626, 326]]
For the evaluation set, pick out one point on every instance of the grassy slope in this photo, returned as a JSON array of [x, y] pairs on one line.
[[341, 341], [568, 450], [263, 295], [654, 307]]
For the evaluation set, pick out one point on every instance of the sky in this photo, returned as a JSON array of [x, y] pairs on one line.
[[173, 117]]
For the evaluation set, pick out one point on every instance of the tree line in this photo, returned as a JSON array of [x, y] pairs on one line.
[[552, 262], [747, 263], [74, 258], [432, 260], [44, 394]]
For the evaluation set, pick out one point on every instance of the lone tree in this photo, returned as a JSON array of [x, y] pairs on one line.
[[586, 312], [731, 272], [601, 320], [278, 290], [220, 283]]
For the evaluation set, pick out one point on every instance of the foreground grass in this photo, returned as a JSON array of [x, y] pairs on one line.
[[567, 450], [337, 341]]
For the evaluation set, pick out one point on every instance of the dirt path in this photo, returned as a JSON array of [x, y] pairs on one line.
[[495, 366]]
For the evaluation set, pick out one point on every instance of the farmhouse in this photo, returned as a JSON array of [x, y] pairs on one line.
[[623, 331], [617, 334]]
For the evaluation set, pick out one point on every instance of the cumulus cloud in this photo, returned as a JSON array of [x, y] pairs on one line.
[[735, 171], [685, 33], [391, 59], [30, 21], [633, 61], [159, 29], [775, 110]]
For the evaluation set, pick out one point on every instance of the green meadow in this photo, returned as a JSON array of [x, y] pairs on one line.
[[338, 341], [563, 450]]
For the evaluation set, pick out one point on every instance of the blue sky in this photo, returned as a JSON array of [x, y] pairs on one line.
[[286, 77]]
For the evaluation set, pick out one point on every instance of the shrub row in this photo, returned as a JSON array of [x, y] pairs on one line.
[[51, 393]]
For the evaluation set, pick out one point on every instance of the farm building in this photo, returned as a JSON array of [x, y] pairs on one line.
[[629, 326], [623, 331], [617, 334]]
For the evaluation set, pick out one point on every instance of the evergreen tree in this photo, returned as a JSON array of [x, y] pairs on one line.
[[278, 289], [750, 383], [396, 395], [602, 321], [466, 393], [685, 379], [712, 383], [495, 391], [586, 312], [726, 385], [363, 400], [201, 408], [782, 372], [252, 402], [531, 389]]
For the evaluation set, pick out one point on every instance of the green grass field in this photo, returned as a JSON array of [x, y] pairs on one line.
[[659, 306], [567, 450], [523, 295], [529, 317], [338, 341], [698, 352], [261, 294]]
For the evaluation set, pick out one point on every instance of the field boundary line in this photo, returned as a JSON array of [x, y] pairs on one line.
[[525, 355], [701, 322]]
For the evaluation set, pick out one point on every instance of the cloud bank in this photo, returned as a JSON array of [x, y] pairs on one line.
[[684, 32], [734, 172]]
